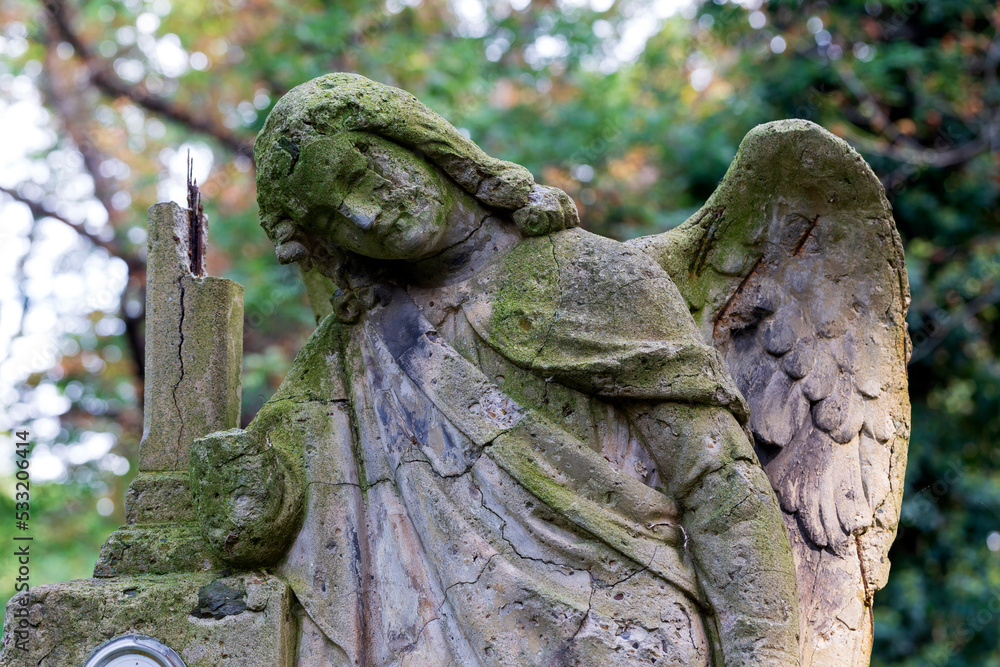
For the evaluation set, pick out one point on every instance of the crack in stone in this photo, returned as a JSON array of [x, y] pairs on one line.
[[708, 239], [354, 484], [690, 623], [805, 236], [623, 286], [642, 569], [737, 505], [590, 575], [590, 605], [465, 238], [456, 475], [590, 600], [699, 481], [180, 359], [864, 572], [444, 596], [503, 536], [735, 295], [474, 581], [235, 457], [469, 465], [308, 398], [888, 496], [412, 645]]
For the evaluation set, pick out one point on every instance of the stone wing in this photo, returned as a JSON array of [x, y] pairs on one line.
[[794, 271]]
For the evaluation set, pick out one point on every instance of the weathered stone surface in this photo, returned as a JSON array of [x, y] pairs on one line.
[[248, 496], [194, 350], [507, 441], [195, 390], [193, 355], [218, 600], [794, 271], [158, 497], [516, 448], [235, 621], [318, 289], [158, 548], [344, 103]]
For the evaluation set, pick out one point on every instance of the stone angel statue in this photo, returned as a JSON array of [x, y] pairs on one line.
[[513, 442]]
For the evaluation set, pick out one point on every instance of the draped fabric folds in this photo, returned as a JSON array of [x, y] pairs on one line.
[[477, 496]]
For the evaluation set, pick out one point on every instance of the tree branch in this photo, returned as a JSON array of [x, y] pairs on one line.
[[39, 210], [66, 103], [104, 78], [132, 324], [924, 157], [901, 147], [940, 331]]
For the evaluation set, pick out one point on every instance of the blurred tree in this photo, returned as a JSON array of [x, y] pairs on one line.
[[634, 107]]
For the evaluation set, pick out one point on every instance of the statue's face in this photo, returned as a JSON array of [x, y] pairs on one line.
[[361, 192]]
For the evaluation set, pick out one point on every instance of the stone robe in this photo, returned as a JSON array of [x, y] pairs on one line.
[[482, 480]]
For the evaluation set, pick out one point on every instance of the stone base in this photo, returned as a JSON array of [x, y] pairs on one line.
[[159, 497], [242, 620], [155, 548], [161, 533]]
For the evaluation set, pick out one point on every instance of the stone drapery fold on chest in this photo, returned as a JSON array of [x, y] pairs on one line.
[[549, 462], [474, 517]]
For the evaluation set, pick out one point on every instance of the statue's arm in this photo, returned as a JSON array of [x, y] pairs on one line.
[[733, 527], [249, 486], [248, 495]]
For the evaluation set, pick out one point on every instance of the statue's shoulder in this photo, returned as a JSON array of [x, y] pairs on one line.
[[596, 315], [610, 268], [608, 259], [576, 281]]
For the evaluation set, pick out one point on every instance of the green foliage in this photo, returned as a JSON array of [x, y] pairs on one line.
[[67, 533]]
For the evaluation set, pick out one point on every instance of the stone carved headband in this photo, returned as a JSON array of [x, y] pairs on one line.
[[343, 103]]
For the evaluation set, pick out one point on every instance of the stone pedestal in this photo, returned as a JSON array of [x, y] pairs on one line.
[[156, 576], [194, 342], [244, 620]]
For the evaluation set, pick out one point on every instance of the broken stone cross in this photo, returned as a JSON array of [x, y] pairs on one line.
[[156, 583], [194, 350]]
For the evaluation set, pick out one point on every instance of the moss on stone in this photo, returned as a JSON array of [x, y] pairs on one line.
[[159, 548], [158, 497], [527, 299], [69, 620], [249, 492], [337, 103], [313, 376]]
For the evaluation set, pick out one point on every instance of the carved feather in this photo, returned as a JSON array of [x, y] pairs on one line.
[[794, 271]]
